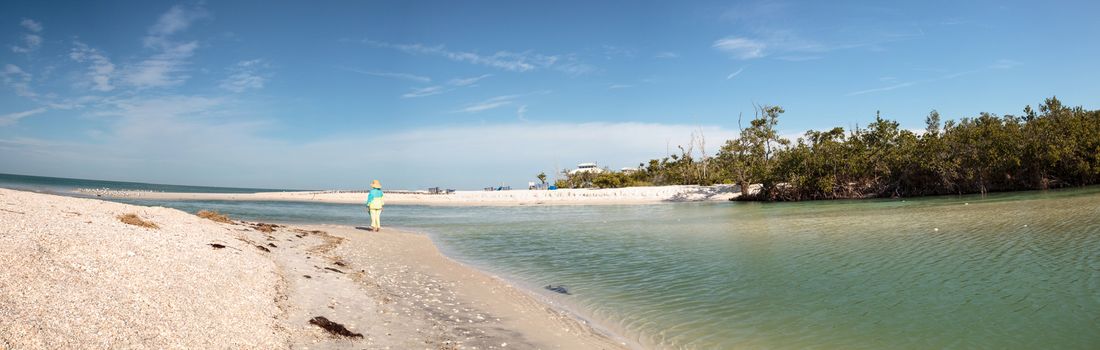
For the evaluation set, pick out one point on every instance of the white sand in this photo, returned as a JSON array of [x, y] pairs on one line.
[[72, 276], [628, 195]]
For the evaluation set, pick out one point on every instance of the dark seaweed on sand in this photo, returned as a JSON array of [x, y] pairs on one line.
[[333, 327]]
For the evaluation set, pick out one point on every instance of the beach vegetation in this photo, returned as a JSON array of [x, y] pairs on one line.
[[214, 216], [1053, 146], [134, 219]]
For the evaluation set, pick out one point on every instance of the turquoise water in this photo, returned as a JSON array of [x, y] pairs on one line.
[[1017, 271]]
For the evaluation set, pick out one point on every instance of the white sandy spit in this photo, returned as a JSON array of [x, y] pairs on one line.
[[628, 195]]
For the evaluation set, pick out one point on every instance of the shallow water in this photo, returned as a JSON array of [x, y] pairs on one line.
[[1006, 271], [1010, 271]]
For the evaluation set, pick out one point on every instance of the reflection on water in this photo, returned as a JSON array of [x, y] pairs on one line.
[[1007, 271]]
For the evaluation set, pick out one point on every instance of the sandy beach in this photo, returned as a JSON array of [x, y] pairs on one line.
[[76, 276], [610, 196]]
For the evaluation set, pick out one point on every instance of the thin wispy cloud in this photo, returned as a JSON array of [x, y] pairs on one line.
[[31, 25], [12, 118], [998, 65], [492, 103], [786, 45], [245, 75], [18, 80], [100, 68], [887, 88], [521, 113], [177, 19], [392, 75], [31, 40], [779, 30], [497, 102], [167, 67], [619, 86], [451, 85], [427, 91], [511, 61], [468, 81], [740, 48], [734, 74]]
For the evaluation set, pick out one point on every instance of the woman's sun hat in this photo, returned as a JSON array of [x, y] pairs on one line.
[[375, 184]]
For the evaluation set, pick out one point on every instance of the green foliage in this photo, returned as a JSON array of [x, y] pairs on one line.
[[1056, 146]]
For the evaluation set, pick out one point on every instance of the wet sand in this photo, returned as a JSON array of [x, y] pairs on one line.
[[75, 276]]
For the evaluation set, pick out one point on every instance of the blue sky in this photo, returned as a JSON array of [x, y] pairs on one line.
[[467, 95]]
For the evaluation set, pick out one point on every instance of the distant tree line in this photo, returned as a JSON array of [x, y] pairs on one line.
[[1056, 146]]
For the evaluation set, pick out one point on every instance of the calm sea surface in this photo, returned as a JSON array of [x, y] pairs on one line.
[[1019, 271]]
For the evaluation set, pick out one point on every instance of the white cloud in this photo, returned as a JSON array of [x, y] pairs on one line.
[[521, 113], [497, 102], [12, 118], [177, 19], [734, 74], [245, 75], [31, 25], [766, 40], [439, 89], [998, 65], [741, 48], [18, 80], [421, 92], [468, 81], [619, 86], [885, 88], [100, 70], [506, 60], [31, 41], [167, 68], [491, 103]]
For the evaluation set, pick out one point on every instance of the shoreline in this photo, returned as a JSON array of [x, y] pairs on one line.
[[610, 196], [264, 285]]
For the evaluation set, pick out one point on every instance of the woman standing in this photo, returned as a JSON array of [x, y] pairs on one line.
[[374, 205]]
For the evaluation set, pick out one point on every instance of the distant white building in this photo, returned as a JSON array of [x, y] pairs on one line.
[[586, 168], [628, 170]]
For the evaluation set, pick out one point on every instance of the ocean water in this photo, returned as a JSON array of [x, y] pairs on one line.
[[1006, 271], [59, 185]]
